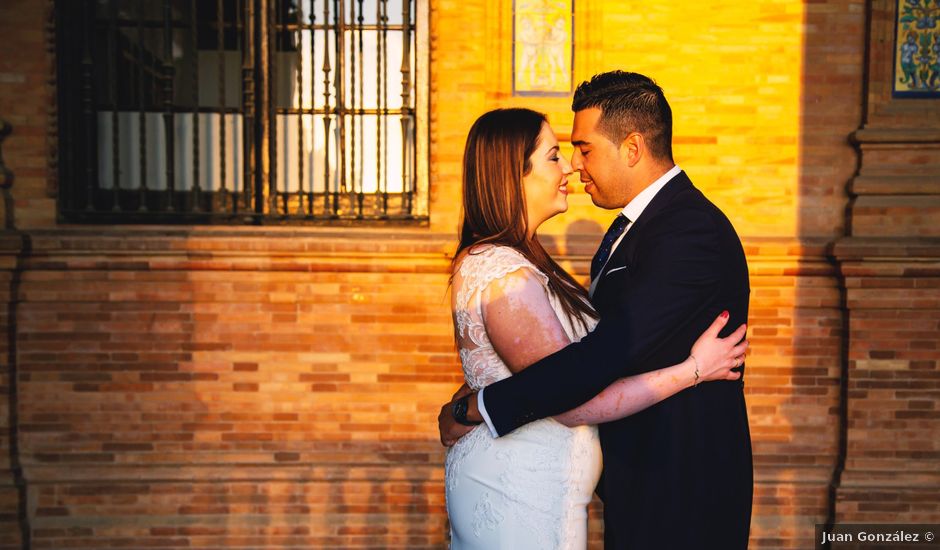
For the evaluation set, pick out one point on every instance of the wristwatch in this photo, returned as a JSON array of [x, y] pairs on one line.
[[459, 412]]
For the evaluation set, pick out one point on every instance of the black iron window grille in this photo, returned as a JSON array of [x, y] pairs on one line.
[[242, 111]]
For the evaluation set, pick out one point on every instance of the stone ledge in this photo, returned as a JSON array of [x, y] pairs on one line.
[[898, 135], [895, 185], [210, 473], [895, 204], [904, 477], [324, 472], [203, 526], [310, 249], [798, 475], [228, 241], [887, 249]]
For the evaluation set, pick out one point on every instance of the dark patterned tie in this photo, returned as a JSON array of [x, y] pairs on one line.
[[603, 251]]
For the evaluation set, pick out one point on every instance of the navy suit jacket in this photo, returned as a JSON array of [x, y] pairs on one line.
[[678, 474]]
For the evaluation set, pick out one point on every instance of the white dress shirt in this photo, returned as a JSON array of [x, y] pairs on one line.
[[632, 211]]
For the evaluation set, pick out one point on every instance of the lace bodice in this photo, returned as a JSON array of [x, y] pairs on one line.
[[484, 265]]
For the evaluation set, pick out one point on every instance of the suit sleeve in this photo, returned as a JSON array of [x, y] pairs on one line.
[[677, 268]]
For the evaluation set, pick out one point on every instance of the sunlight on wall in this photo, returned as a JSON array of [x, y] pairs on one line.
[[732, 74]]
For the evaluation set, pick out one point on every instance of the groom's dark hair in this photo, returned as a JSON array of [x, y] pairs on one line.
[[629, 102]]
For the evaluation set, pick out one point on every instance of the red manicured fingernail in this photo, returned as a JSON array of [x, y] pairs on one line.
[[724, 313]]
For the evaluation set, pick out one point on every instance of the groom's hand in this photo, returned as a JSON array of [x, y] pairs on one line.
[[450, 430]]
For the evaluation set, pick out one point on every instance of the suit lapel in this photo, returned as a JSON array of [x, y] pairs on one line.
[[623, 255]]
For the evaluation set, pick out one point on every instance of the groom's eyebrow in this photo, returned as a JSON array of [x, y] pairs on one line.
[[579, 142]]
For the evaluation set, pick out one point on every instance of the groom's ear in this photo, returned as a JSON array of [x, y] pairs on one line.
[[632, 149]]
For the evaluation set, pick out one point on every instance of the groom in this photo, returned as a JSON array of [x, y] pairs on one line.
[[677, 475]]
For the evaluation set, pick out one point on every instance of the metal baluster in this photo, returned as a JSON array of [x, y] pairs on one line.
[[313, 118], [280, 45], [362, 132], [300, 109], [196, 190], [248, 99], [326, 111], [272, 43], [220, 33], [255, 89], [266, 77], [406, 103], [115, 125], [154, 33], [142, 127], [352, 99], [168, 116], [88, 106], [339, 80], [383, 105], [378, 97]]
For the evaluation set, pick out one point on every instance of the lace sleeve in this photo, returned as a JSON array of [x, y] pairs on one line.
[[483, 266]]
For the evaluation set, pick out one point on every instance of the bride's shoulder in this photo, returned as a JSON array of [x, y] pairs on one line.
[[483, 264], [487, 255]]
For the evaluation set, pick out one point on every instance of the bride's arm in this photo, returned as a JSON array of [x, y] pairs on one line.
[[523, 328], [520, 320]]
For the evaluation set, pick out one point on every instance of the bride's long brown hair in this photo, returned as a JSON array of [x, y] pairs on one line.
[[498, 154]]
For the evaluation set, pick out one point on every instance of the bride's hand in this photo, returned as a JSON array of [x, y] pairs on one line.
[[450, 430], [717, 356]]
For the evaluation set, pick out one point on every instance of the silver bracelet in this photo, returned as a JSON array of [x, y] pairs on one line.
[[697, 376]]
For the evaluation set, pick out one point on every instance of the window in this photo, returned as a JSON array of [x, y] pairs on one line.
[[242, 111]]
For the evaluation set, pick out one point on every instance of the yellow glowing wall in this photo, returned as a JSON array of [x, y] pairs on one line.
[[734, 73]]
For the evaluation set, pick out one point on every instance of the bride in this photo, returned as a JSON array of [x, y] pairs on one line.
[[512, 305]]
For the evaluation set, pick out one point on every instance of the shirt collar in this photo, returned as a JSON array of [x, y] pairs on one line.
[[641, 201]]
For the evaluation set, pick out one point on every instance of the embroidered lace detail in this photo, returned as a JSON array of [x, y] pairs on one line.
[[485, 515]]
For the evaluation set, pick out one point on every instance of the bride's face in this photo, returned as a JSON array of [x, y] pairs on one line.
[[546, 184]]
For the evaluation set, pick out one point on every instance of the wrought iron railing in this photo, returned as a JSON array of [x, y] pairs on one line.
[[241, 111]]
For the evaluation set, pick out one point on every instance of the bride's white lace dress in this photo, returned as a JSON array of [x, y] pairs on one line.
[[530, 488]]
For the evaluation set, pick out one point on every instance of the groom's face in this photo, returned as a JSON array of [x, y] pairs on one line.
[[598, 161]]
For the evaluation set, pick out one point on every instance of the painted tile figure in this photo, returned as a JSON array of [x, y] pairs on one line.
[[917, 54], [542, 47]]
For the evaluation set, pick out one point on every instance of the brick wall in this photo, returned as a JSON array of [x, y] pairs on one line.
[[220, 388], [893, 383], [209, 387], [890, 260], [225, 390], [792, 387]]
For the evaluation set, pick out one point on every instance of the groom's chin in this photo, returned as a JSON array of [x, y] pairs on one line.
[[601, 203]]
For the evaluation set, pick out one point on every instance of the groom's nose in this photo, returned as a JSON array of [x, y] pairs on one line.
[[576, 160]]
